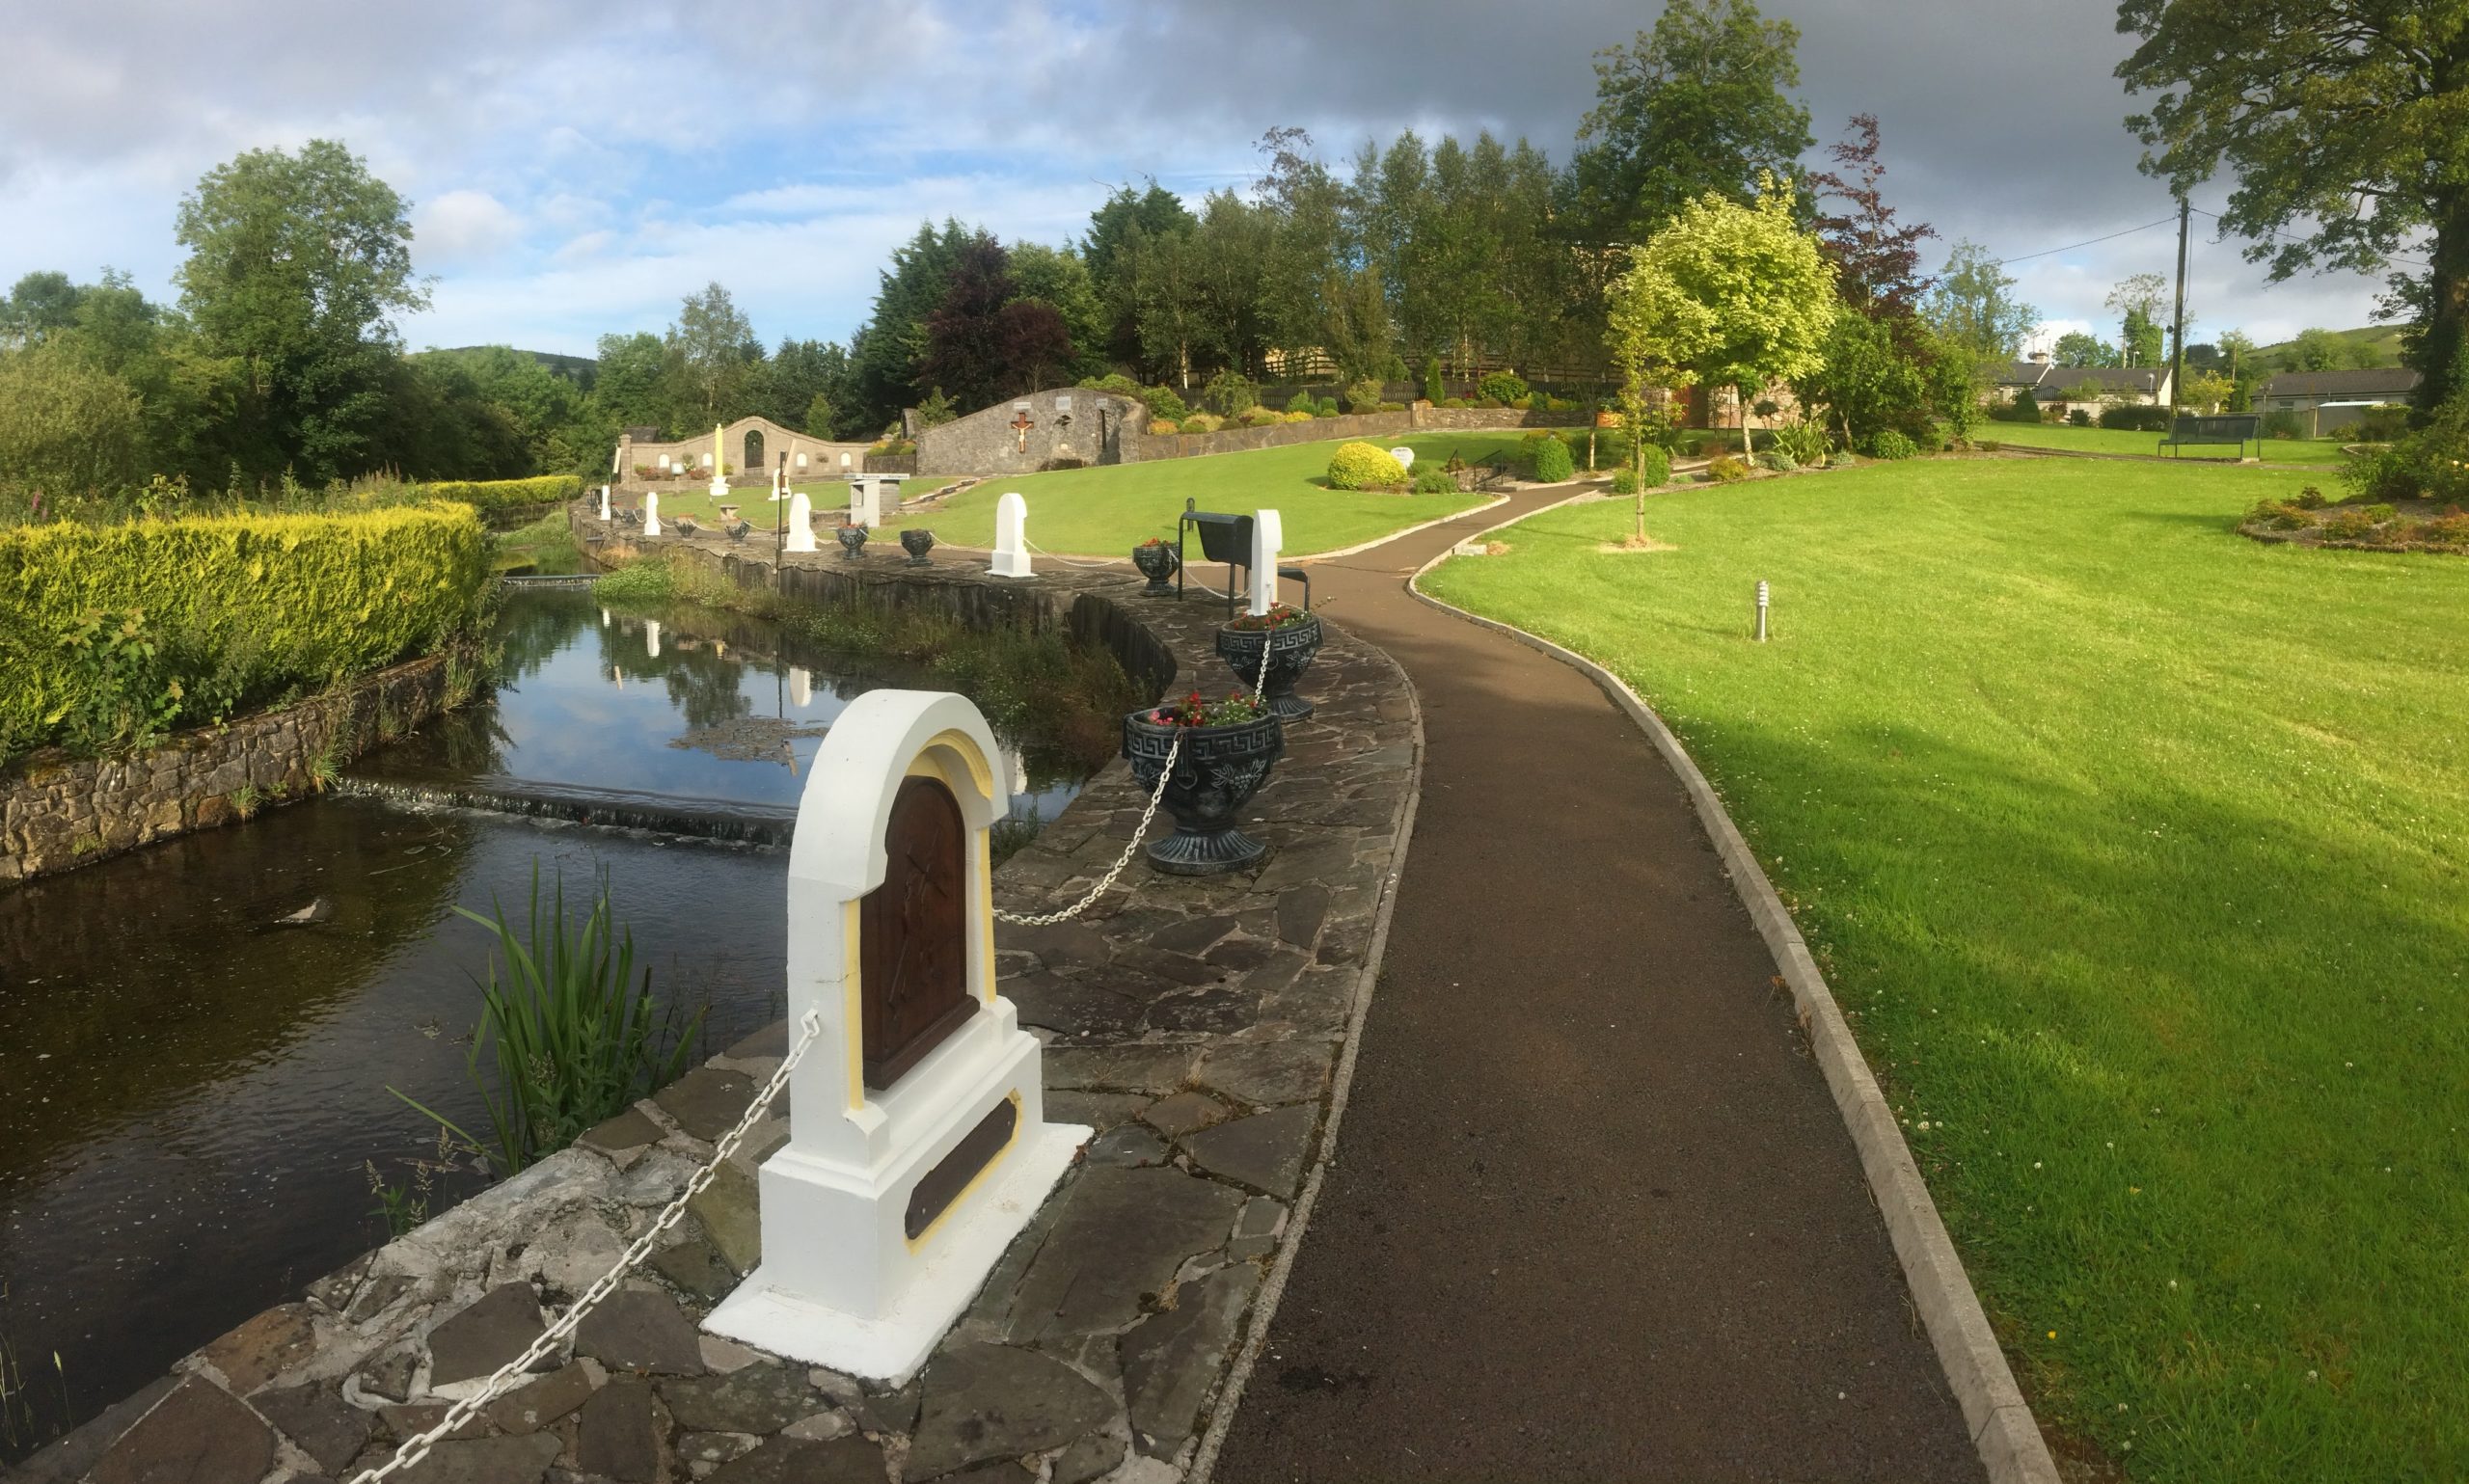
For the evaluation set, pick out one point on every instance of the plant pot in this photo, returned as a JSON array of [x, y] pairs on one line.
[[1218, 770], [917, 541], [853, 542], [1291, 649], [1157, 563]]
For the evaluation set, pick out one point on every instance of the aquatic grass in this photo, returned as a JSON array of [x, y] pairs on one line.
[[572, 1037]]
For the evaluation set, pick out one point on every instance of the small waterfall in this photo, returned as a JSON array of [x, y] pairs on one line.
[[736, 824]]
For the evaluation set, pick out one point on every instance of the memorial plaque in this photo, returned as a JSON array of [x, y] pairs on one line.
[[914, 952]]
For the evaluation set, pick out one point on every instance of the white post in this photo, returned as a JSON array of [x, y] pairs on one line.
[[1266, 538], [860, 1270], [651, 636], [800, 523], [1011, 537], [651, 513], [800, 684], [604, 501]]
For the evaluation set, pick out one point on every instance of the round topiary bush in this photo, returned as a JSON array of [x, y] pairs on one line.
[[1887, 444], [1326, 407], [1502, 387], [1361, 466], [1552, 464], [1657, 466], [1625, 481]]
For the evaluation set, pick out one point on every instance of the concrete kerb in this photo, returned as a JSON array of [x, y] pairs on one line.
[[2002, 1428], [1273, 1288]]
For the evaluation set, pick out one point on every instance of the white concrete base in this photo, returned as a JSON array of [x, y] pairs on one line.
[[894, 1347], [1012, 564], [719, 487]]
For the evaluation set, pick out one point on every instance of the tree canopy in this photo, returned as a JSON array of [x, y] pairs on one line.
[[1726, 295]]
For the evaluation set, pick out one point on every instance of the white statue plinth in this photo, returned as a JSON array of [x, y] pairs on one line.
[[604, 502], [862, 1271], [865, 502], [1267, 535], [651, 513], [1011, 537], [800, 537]]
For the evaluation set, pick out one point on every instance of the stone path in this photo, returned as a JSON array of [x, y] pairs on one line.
[[1593, 1214]]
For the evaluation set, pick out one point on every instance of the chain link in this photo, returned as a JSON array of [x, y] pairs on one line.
[[1165, 775], [417, 1448]]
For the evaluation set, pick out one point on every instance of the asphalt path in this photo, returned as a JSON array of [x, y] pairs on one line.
[[1593, 1214]]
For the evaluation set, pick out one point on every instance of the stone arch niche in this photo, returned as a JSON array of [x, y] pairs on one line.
[[752, 463], [918, 1145]]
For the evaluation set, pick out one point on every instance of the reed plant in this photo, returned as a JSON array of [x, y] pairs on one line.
[[569, 1033]]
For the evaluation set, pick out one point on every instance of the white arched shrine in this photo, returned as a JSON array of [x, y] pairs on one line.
[[918, 1145]]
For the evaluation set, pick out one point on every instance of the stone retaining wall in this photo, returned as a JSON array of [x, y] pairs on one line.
[[1375, 427], [1196, 1023], [58, 812]]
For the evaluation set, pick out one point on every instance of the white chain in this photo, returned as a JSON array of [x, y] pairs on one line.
[[415, 1448], [1165, 775], [1066, 560]]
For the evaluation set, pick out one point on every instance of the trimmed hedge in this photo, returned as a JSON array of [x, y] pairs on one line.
[[491, 497], [119, 632], [1362, 466], [1552, 462]]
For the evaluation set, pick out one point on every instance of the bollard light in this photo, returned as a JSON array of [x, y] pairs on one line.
[[1761, 612]]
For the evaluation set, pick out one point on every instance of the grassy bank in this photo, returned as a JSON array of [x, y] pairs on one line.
[[2074, 440], [2138, 852]]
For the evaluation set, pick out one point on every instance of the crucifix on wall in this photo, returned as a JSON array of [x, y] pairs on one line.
[[1020, 424]]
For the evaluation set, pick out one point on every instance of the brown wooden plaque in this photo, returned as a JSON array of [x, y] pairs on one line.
[[941, 1186], [913, 933]]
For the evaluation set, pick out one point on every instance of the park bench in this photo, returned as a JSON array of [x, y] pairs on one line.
[[2224, 429]]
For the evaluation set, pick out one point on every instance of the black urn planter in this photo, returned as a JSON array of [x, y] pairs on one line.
[[1218, 770], [1291, 649], [917, 541], [853, 542], [1156, 562]]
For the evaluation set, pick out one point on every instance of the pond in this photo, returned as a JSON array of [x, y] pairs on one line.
[[193, 1092]]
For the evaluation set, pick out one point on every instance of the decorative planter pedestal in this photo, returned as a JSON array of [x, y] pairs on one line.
[[1156, 562], [1291, 649], [917, 541], [853, 542], [1218, 770]]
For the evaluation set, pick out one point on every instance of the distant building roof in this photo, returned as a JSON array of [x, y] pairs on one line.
[[2108, 378], [2023, 373], [2383, 381]]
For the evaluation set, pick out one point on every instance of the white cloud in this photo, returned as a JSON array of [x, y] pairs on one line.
[[461, 228]]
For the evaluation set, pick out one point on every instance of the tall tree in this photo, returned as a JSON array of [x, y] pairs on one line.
[[883, 354], [2343, 120], [297, 263], [715, 345], [1876, 260], [2136, 300], [1150, 216], [2077, 348], [797, 372], [42, 303], [1059, 279], [985, 343], [1307, 248], [1696, 104], [1974, 307]]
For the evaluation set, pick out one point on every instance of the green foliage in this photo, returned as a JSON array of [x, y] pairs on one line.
[[67, 427], [1553, 463], [118, 681], [499, 496], [1432, 381], [1973, 306], [1887, 444], [1363, 395], [1361, 466], [2283, 422], [1727, 470], [2078, 417], [2024, 408], [237, 610], [1502, 387], [2077, 348], [2136, 417], [1202, 422], [935, 410], [1778, 461], [2382, 424], [1625, 480], [2431, 463], [1327, 407], [1432, 479], [1805, 442], [572, 1037], [636, 582], [1653, 466], [1229, 394], [1300, 402]]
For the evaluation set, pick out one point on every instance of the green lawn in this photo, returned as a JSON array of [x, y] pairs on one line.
[[2057, 435], [829, 495], [1106, 511], [2136, 851]]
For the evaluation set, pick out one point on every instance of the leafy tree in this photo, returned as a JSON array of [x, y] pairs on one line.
[[985, 343], [1360, 338], [66, 426], [1877, 262], [297, 263], [1308, 239], [2206, 390], [787, 384], [1151, 216], [2077, 348], [628, 387], [1695, 105], [715, 348], [1974, 307], [42, 303], [2138, 297], [2316, 349], [819, 422], [1059, 279], [2342, 121], [1727, 295], [883, 354], [1865, 380]]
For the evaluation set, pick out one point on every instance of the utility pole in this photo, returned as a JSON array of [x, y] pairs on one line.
[[2178, 332]]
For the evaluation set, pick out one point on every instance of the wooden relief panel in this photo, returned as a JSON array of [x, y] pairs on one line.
[[913, 946]]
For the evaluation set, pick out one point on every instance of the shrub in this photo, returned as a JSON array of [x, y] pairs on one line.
[[1452, 401], [1841, 458], [1164, 402], [2279, 515], [2352, 524], [2282, 422], [122, 631], [1294, 417], [1362, 396], [1624, 481], [1202, 422], [1432, 479], [1258, 416], [1392, 407], [1654, 466], [2078, 417], [1778, 461], [2026, 408], [1727, 470], [2382, 424], [1229, 392], [1805, 443], [1361, 466], [1502, 387], [1552, 464], [1432, 380], [1887, 444], [1300, 402], [501, 496], [1164, 425], [2310, 499], [2436, 457], [2135, 418], [1327, 407]]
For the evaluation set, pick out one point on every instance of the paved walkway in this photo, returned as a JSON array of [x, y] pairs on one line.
[[1593, 1214]]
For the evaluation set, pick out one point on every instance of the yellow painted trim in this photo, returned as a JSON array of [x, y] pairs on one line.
[[853, 1002], [981, 770], [974, 1181], [984, 911]]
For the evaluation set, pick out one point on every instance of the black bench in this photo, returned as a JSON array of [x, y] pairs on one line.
[[2223, 429]]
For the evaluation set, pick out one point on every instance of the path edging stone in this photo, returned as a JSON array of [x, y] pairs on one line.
[[2000, 1422]]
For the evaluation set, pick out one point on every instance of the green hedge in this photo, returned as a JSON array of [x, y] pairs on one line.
[[110, 634], [490, 497]]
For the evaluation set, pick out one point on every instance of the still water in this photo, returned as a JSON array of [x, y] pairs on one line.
[[190, 1094]]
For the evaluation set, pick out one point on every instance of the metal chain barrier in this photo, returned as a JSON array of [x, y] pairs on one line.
[[1165, 775], [1066, 560], [417, 1448]]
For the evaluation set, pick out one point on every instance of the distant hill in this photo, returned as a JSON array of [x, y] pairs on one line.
[[2383, 340], [582, 369]]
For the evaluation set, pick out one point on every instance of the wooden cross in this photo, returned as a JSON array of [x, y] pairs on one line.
[[1021, 425]]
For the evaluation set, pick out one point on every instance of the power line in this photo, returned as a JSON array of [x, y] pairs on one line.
[[2070, 247], [2397, 257]]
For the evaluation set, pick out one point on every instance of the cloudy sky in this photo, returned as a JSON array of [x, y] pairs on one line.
[[577, 168]]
